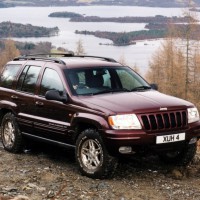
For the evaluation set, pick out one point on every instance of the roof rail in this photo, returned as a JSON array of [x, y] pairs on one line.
[[39, 58], [99, 57], [68, 54], [52, 57]]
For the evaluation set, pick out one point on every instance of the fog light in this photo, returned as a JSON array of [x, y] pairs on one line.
[[193, 140], [125, 150]]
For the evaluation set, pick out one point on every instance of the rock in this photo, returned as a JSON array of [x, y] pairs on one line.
[[50, 194], [196, 160], [177, 174], [102, 186], [19, 197]]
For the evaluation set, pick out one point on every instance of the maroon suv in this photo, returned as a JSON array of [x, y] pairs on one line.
[[100, 107]]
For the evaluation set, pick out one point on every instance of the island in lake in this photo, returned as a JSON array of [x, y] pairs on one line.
[[157, 27], [75, 17], [9, 29]]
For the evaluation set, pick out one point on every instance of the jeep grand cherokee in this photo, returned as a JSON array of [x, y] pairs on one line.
[[100, 107]]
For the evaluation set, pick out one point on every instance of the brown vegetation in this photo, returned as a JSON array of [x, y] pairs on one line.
[[10, 49], [8, 53], [175, 65]]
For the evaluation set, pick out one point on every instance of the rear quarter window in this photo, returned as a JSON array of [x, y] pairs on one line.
[[8, 75]]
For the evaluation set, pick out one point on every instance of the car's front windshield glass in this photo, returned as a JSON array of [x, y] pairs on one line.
[[99, 80]]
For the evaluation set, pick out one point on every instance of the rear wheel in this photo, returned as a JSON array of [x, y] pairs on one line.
[[92, 156], [10, 134], [181, 158]]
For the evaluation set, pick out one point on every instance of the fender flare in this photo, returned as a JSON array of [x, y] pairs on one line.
[[91, 119]]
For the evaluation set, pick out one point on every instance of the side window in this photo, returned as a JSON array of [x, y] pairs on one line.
[[9, 74], [28, 79], [50, 81]]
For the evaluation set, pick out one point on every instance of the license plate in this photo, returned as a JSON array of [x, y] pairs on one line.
[[170, 138]]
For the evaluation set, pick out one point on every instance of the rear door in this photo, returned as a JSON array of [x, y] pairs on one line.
[[24, 97]]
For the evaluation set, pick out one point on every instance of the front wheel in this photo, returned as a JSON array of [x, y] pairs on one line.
[[92, 156], [10, 134], [182, 157]]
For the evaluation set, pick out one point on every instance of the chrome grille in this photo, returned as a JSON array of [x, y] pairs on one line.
[[166, 120]]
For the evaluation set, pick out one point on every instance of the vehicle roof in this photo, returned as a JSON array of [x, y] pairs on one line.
[[88, 62], [69, 61]]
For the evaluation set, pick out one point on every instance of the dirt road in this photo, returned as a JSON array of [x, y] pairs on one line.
[[52, 174]]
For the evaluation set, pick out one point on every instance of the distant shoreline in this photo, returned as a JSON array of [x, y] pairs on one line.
[[59, 3], [160, 19]]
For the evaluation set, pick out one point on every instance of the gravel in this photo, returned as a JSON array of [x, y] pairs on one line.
[[52, 174]]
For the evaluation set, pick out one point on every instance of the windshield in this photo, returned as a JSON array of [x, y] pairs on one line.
[[94, 81]]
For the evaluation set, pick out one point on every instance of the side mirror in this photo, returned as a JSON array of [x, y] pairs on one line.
[[154, 86], [55, 95]]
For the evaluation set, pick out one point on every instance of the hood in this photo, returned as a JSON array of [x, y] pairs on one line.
[[137, 102]]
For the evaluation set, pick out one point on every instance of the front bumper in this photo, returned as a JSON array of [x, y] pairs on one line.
[[140, 140]]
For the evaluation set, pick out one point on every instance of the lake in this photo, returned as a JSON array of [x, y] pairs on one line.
[[138, 54]]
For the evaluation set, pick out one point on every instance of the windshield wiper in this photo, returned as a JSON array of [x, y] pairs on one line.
[[102, 92], [141, 88], [111, 91], [121, 90]]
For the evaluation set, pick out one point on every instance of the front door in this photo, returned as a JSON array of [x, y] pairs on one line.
[[53, 117]]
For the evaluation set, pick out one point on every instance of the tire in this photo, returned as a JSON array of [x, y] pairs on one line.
[[180, 158], [92, 157], [10, 134]]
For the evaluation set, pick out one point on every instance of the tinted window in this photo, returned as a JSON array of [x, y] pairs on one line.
[[28, 79], [9, 74], [50, 81]]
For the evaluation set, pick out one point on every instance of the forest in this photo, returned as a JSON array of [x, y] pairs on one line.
[[156, 19], [8, 29], [75, 17], [126, 38], [175, 66]]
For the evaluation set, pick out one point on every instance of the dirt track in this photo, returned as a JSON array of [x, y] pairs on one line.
[[52, 174]]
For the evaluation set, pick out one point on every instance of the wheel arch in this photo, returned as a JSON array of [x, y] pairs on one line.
[[83, 121], [4, 111]]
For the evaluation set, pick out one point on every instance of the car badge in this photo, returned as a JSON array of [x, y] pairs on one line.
[[162, 109]]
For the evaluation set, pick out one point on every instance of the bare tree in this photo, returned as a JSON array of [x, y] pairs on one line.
[[79, 48], [176, 65], [122, 60]]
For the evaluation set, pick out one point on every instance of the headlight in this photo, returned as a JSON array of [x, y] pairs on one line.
[[129, 121], [193, 115]]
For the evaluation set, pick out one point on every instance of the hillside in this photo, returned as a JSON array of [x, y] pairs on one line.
[[152, 3]]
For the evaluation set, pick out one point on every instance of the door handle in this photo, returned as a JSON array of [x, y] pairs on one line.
[[14, 97], [39, 103]]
